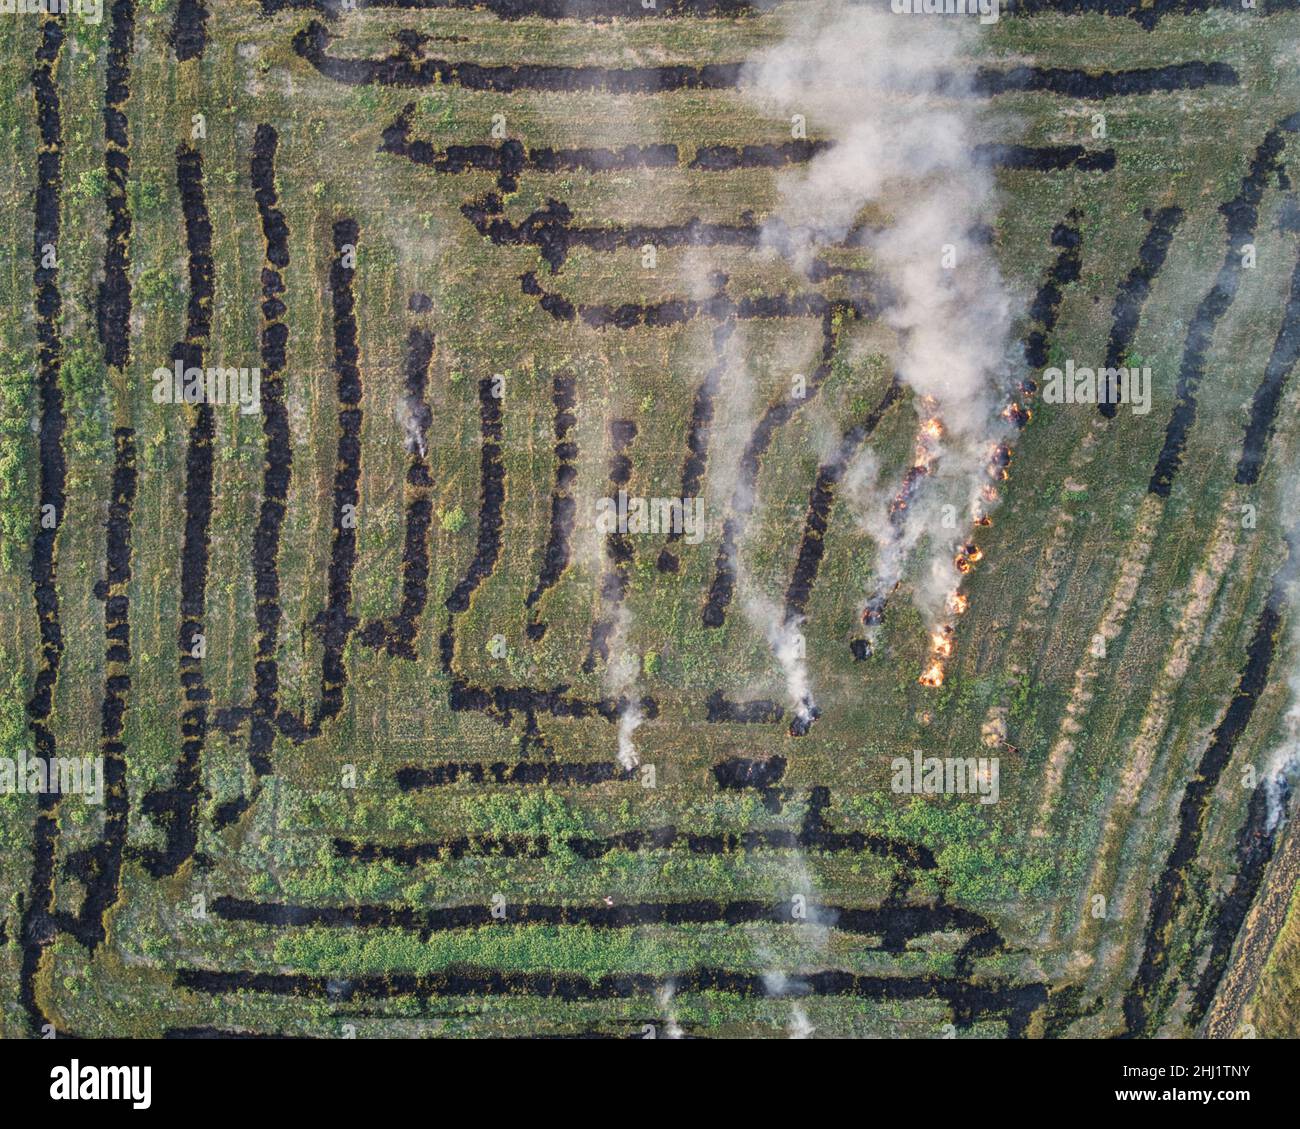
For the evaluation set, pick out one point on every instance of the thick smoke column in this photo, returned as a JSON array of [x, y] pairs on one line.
[[894, 94]]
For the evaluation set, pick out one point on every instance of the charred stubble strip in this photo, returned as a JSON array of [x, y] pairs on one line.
[[618, 549], [564, 507], [1151, 991], [407, 67], [1046, 306], [813, 835], [335, 623], [812, 545], [189, 34], [38, 924], [277, 466], [1242, 214], [397, 634], [551, 773], [542, 9], [697, 436], [1002, 999], [492, 477], [1146, 13], [1268, 396], [176, 808], [742, 499], [894, 925], [1134, 289], [113, 304], [99, 868]]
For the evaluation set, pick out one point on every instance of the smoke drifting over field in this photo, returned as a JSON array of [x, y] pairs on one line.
[[904, 181]]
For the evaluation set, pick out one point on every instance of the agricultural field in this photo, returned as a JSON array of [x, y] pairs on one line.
[[636, 571]]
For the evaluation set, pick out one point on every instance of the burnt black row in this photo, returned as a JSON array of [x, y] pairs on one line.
[[551, 773], [175, 808], [894, 925], [113, 305], [277, 467], [407, 67], [1156, 982], [189, 34], [1242, 214], [335, 622], [697, 435], [1046, 306], [99, 867], [398, 633], [618, 549], [540, 9], [813, 835], [775, 417], [564, 507], [492, 473], [812, 544], [1133, 291], [1268, 396], [969, 1002], [38, 924]]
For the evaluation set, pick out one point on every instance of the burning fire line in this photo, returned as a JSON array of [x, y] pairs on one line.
[[942, 638]]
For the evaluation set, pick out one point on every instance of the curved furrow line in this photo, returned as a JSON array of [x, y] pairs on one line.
[[1242, 214], [176, 808], [39, 927], [564, 507], [1133, 291], [743, 498], [335, 622], [398, 633]]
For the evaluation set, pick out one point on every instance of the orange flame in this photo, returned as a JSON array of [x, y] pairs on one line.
[[932, 675]]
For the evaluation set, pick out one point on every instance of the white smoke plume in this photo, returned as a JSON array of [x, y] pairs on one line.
[[620, 680], [902, 179], [628, 721], [664, 997], [1284, 762]]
